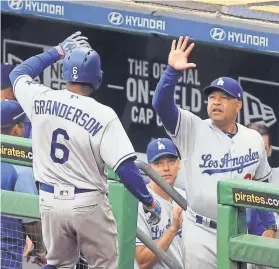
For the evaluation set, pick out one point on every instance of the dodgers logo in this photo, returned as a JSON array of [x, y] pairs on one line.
[[228, 164], [160, 145], [220, 82]]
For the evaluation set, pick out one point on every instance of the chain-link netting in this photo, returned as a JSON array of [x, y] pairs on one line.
[[22, 245]]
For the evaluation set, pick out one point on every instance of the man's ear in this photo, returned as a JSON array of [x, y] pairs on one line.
[[239, 106], [178, 161]]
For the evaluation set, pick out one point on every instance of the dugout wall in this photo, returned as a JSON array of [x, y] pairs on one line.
[[133, 40]]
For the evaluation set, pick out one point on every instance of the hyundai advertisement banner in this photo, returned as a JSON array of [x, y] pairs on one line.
[[133, 65]]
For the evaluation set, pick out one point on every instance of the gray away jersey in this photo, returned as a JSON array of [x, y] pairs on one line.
[[73, 136], [156, 231], [209, 155]]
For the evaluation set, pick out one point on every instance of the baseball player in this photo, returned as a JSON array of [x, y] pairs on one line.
[[73, 137], [163, 158], [213, 149]]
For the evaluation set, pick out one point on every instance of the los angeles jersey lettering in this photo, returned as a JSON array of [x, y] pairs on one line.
[[209, 155]]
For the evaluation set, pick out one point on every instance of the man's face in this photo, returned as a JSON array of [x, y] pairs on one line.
[[7, 93], [222, 108], [167, 167], [267, 146]]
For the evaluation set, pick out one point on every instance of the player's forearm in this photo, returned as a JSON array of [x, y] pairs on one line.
[[35, 65], [133, 181], [163, 99], [267, 218], [146, 258]]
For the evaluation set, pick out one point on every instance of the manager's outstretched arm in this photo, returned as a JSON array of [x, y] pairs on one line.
[[163, 99]]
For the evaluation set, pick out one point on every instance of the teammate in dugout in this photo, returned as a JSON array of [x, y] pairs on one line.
[[6, 85], [254, 223], [19, 179], [163, 157], [8, 94], [73, 137], [213, 149]]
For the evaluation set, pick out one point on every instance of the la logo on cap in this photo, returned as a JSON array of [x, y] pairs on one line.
[[220, 82], [160, 145]]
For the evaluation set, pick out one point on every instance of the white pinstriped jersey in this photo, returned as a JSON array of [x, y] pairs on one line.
[[73, 136]]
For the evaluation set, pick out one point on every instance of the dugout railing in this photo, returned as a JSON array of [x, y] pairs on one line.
[[17, 150], [235, 247]]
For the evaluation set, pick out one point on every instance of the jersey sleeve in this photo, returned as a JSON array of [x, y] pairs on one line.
[[142, 224], [185, 132], [25, 90], [263, 171], [25, 182], [115, 146]]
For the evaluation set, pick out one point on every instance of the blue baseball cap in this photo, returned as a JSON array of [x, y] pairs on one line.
[[228, 85], [160, 147], [6, 69], [11, 112]]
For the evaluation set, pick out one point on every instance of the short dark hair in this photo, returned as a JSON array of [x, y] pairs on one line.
[[261, 128], [88, 87]]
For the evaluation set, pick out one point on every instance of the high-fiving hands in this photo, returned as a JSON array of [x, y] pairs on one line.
[[71, 42], [155, 212], [178, 57]]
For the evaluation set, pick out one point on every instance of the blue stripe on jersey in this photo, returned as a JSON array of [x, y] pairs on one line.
[[163, 99], [133, 181], [35, 65], [70, 113]]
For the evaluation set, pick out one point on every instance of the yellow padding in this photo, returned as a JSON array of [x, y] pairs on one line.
[[270, 9], [233, 2]]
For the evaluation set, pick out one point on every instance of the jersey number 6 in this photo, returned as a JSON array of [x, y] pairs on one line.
[[58, 146]]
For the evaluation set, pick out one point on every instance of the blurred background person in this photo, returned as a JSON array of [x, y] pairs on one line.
[[254, 224], [6, 85], [18, 179]]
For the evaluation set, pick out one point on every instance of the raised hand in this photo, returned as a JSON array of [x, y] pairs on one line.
[[71, 42], [178, 57], [177, 217]]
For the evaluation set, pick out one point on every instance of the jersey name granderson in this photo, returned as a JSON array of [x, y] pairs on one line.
[[69, 113]]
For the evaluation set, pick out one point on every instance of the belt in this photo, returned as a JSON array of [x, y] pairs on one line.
[[206, 221], [49, 188]]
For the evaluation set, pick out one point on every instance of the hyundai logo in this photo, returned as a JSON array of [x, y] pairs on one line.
[[15, 4], [115, 18], [218, 34]]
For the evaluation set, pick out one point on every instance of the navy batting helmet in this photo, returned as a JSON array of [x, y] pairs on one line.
[[83, 65]]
